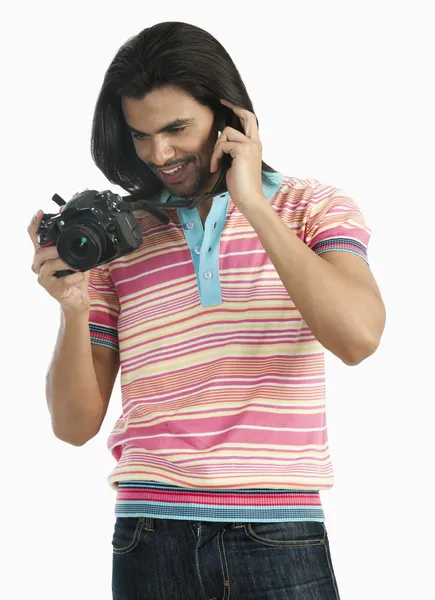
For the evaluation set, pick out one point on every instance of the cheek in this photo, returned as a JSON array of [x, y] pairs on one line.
[[140, 149]]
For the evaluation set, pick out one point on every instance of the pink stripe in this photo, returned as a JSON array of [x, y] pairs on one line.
[[243, 417], [234, 436], [268, 499]]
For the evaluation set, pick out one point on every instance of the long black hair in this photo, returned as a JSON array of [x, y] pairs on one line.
[[166, 54]]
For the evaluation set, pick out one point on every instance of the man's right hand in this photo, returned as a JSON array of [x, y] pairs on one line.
[[70, 291]]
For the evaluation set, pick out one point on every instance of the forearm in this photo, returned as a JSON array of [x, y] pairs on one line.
[[340, 312], [73, 396]]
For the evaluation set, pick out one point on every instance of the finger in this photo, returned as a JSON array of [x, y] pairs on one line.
[[50, 267], [229, 134], [42, 255], [247, 118], [222, 148], [54, 285], [33, 227]]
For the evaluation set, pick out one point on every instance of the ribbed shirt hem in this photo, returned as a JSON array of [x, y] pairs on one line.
[[158, 500]]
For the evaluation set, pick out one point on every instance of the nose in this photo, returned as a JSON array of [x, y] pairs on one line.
[[161, 152]]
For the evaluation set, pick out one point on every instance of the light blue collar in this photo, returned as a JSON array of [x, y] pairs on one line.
[[269, 190]]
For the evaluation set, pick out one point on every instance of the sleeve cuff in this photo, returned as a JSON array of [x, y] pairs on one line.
[[104, 336], [342, 244]]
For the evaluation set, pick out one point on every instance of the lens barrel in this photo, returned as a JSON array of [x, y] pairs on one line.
[[80, 247]]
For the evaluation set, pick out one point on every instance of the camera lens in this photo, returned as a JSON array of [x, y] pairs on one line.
[[80, 247]]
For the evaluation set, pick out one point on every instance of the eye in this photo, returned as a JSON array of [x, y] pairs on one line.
[[177, 129], [141, 136]]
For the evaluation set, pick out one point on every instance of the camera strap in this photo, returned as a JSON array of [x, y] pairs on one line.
[[156, 208]]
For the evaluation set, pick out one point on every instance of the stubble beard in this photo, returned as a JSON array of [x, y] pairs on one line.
[[194, 184]]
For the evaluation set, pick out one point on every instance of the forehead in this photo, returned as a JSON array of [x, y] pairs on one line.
[[159, 107]]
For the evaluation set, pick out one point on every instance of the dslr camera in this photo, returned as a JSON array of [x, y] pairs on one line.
[[93, 228]]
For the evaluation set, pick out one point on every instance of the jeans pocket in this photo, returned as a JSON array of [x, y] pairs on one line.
[[126, 534], [288, 533]]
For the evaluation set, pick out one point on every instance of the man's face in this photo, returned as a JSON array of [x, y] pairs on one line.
[[175, 130]]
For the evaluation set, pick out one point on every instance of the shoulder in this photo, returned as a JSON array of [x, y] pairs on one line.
[[307, 188], [312, 197], [297, 196]]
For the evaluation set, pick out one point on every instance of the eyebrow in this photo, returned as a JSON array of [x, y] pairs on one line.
[[166, 128]]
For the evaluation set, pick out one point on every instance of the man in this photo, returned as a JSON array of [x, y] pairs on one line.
[[219, 321]]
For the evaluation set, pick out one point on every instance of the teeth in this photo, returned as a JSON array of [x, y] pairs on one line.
[[172, 171]]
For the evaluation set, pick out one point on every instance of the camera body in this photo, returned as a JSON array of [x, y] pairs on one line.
[[92, 229]]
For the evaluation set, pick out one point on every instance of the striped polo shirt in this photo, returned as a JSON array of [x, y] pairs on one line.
[[223, 384]]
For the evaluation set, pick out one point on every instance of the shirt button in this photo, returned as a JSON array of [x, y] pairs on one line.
[[197, 249], [190, 225], [208, 275]]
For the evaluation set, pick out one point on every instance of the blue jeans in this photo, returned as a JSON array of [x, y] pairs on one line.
[[164, 559]]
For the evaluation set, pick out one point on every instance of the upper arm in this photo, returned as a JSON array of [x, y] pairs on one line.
[[106, 365], [358, 271], [355, 267]]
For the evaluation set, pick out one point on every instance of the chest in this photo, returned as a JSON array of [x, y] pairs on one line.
[[203, 258]]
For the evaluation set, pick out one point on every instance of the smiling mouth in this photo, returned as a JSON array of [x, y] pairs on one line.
[[171, 175], [172, 170]]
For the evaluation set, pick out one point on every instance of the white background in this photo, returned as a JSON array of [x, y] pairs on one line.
[[343, 94]]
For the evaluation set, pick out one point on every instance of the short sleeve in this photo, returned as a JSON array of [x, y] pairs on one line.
[[104, 309], [335, 222]]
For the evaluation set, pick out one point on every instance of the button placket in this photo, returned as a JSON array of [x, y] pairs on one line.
[[206, 263], [204, 244]]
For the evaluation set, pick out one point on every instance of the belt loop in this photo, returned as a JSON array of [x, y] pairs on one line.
[[149, 524]]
